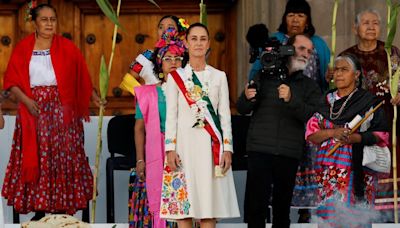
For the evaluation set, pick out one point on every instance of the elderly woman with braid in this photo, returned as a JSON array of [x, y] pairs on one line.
[[342, 179], [150, 123]]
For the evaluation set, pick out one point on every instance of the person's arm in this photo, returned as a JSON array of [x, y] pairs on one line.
[[171, 123], [139, 144], [304, 108], [316, 135], [95, 98], [247, 100], [224, 113], [32, 106]]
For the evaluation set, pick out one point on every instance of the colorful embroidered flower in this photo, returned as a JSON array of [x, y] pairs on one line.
[[170, 141], [183, 23], [176, 183], [173, 208], [228, 141], [167, 169], [186, 206], [164, 211], [167, 178], [182, 194]]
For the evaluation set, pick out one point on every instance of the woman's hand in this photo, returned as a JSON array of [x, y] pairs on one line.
[[97, 100], [173, 160], [226, 161], [140, 169], [250, 92], [396, 100], [32, 106], [329, 74], [341, 135]]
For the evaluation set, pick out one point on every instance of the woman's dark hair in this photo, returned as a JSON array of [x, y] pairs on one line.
[[298, 6], [156, 68], [35, 11], [197, 24], [175, 19]]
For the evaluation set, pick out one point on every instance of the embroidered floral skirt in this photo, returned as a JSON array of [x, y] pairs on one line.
[[65, 180], [338, 206]]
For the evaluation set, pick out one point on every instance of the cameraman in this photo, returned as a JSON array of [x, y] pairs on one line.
[[276, 135]]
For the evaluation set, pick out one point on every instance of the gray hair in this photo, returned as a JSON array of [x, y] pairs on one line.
[[357, 20]]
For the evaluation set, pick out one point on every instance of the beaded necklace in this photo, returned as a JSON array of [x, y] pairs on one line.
[[335, 115]]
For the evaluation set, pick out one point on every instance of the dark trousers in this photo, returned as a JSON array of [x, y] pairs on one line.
[[265, 171]]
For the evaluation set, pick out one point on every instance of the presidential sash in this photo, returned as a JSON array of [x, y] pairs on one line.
[[206, 118]]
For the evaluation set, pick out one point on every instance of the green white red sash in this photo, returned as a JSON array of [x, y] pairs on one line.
[[212, 123]]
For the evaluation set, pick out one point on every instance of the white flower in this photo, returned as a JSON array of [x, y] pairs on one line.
[[189, 84]]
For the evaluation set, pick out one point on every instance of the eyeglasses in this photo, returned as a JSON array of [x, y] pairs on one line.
[[169, 59]]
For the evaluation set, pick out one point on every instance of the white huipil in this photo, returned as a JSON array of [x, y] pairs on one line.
[[207, 196]]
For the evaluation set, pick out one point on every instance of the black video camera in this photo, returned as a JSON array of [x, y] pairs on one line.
[[275, 54], [274, 58]]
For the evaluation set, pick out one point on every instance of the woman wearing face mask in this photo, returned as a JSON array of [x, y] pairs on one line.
[[197, 179], [141, 69], [150, 124], [48, 171]]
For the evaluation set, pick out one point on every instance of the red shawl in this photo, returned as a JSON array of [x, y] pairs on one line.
[[74, 86]]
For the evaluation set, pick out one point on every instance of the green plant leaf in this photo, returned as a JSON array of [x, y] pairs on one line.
[[104, 78], [203, 13], [114, 226], [154, 3], [108, 10], [392, 26], [394, 87]]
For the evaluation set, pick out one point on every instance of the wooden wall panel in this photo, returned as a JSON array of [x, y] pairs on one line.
[[80, 18], [5, 50]]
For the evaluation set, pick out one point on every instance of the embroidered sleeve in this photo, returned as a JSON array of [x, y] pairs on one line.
[[171, 96], [143, 66], [224, 113], [312, 126]]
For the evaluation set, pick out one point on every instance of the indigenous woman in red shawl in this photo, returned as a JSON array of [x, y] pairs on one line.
[[48, 170], [346, 188], [150, 124]]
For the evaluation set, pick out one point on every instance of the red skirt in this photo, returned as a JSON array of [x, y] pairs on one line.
[[65, 180]]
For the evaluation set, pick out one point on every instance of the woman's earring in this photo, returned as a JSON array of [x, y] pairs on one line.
[[161, 75]]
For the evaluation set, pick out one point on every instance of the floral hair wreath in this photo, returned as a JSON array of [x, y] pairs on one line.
[[31, 5], [169, 41], [183, 26]]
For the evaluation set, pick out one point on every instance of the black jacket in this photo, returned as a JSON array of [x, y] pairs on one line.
[[277, 127]]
